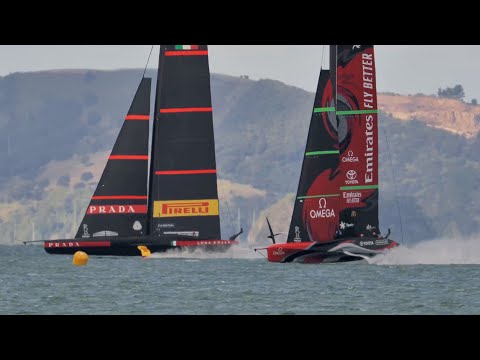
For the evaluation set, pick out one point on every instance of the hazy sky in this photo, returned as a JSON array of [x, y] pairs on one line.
[[400, 68]]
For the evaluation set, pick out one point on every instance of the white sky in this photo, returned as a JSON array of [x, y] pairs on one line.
[[400, 68]]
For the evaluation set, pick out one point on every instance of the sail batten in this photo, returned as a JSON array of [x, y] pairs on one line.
[[185, 110]]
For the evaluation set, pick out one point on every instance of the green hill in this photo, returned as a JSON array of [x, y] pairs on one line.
[[57, 127]]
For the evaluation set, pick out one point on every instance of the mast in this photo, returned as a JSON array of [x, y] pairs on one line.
[[357, 114], [183, 177], [156, 115]]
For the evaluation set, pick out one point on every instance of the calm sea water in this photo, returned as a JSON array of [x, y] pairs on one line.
[[241, 282]]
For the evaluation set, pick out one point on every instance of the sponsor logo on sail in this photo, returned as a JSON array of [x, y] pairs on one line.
[[344, 225], [137, 226], [181, 208], [85, 231], [369, 149], [352, 177], [350, 158], [105, 233], [116, 209], [368, 103], [351, 174], [297, 237], [322, 211], [183, 233], [352, 197]]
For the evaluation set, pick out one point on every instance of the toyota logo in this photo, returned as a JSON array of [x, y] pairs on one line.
[[351, 174]]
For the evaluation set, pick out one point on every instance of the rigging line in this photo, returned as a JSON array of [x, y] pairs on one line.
[[323, 54], [148, 61], [394, 184], [260, 253]]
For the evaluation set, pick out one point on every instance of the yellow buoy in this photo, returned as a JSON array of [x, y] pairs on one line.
[[144, 250], [80, 258]]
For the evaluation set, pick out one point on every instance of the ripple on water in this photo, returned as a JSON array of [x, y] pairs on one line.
[[36, 283]]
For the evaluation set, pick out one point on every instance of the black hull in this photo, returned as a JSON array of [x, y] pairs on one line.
[[129, 246]]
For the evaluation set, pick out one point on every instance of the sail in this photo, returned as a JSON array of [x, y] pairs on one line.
[[315, 215], [119, 204], [183, 184], [358, 135]]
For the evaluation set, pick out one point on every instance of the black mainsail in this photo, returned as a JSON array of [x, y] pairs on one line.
[[119, 205], [181, 206], [315, 214], [184, 196]]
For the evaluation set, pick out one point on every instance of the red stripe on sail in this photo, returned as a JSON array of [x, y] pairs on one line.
[[137, 117], [186, 53], [185, 110], [185, 172], [126, 197], [128, 157]]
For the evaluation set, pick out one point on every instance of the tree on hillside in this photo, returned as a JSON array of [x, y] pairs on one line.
[[474, 102], [86, 176], [452, 93], [63, 180]]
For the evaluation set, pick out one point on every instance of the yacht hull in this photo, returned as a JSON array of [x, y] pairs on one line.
[[345, 250]]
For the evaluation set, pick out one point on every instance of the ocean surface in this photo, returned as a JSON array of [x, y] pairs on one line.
[[430, 278]]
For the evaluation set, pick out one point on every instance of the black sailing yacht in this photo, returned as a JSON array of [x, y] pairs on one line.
[[179, 208], [335, 218]]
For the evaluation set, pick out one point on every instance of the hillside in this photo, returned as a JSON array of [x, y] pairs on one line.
[[57, 128], [450, 115]]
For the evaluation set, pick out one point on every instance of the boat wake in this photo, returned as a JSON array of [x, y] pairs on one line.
[[433, 252], [235, 252]]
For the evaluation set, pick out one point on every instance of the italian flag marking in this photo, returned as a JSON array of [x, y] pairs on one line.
[[186, 47]]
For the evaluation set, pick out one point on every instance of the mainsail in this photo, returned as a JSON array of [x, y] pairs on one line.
[[183, 183], [180, 206], [315, 215], [358, 135], [335, 218], [119, 204]]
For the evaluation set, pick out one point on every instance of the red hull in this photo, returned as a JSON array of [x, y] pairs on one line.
[[349, 249]]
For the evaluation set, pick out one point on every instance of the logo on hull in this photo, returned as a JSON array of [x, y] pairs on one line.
[[62, 244], [366, 243], [181, 208]]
